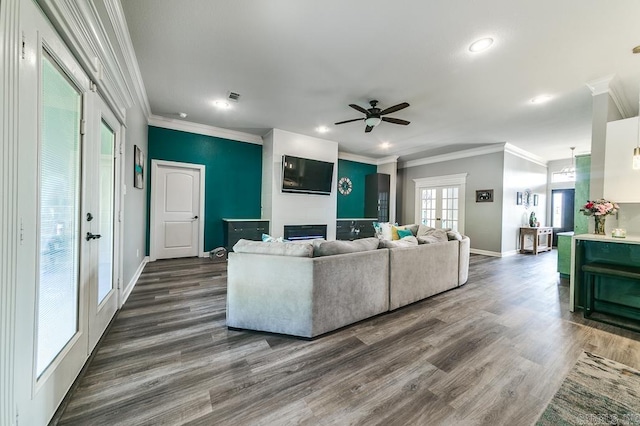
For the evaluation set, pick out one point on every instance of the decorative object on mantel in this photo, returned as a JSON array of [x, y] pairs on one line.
[[533, 220], [518, 198], [484, 196], [599, 209]]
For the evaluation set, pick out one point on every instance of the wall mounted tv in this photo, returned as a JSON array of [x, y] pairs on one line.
[[306, 176]]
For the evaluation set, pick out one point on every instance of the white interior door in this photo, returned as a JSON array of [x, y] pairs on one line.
[[177, 208], [441, 206]]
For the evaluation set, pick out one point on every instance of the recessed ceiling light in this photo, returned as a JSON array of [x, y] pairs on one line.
[[541, 99], [385, 145], [222, 104], [182, 114], [322, 129], [480, 45]]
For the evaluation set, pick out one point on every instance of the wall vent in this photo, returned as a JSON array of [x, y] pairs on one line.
[[233, 96]]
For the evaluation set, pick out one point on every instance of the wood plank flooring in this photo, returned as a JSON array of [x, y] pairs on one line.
[[492, 352]]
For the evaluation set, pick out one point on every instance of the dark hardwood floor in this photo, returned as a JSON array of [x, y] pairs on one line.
[[491, 352]]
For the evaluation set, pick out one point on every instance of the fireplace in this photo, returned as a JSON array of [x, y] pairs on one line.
[[305, 232]]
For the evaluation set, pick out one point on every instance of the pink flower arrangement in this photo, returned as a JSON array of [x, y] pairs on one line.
[[600, 207]]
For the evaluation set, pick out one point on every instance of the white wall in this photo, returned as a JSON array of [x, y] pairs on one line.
[[282, 208], [521, 174]]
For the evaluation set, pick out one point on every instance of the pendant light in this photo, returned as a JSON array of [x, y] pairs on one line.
[[570, 171]]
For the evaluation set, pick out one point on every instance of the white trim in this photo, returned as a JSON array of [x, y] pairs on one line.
[[526, 155], [203, 129], [119, 23], [493, 253], [457, 179], [134, 280], [9, 221], [600, 85], [474, 152], [620, 100], [357, 158], [387, 160], [154, 171]]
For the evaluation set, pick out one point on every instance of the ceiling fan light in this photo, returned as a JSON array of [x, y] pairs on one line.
[[373, 121], [480, 45]]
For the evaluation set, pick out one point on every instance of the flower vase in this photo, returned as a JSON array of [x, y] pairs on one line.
[[599, 230]]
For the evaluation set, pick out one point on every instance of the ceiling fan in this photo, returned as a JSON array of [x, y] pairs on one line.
[[374, 115]]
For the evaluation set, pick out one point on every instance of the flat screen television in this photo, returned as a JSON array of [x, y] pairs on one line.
[[306, 176]]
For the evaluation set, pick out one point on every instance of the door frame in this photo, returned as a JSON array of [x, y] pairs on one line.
[[459, 179], [155, 164]]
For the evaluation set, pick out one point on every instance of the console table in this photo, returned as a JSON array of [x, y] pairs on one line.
[[248, 229], [536, 232]]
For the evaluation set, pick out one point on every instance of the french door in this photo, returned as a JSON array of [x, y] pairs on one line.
[[440, 202], [68, 180]]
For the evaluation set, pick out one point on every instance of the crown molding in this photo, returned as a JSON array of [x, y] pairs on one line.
[[119, 24], [483, 150], [456, 179], [387, 160], [357, 158], [519, 152], [203, 129], [473, 152], [620, 100], [600, 85], [79, 24]]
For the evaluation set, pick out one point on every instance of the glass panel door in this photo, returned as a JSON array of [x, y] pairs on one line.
[[59, 212], [440, 207], [106, 209]]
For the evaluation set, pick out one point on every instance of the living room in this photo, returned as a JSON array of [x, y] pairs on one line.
[[218, 85]]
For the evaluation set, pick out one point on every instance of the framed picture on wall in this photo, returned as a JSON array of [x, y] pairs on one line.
[[518, 198], [484, 196], [535, 199], [138, 168]]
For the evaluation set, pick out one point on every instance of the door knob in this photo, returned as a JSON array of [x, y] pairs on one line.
[[91, 236], [194, 218]]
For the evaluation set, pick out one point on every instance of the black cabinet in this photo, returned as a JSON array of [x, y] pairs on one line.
[[376, 196], [353, 229], [236, 229]]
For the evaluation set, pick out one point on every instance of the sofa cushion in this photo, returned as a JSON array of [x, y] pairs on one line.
[[274, 248], [422, 230], [403, 242], [426, 239], [439, 234], [454, 235], [330, 248]]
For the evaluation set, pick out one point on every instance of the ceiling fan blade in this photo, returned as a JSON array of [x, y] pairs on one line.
[[395, 121], [394, 108], [368, 129], [349, 121], [359, 108]]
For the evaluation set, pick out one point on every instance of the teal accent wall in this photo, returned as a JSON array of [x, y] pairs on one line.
[[352, 205], [583, 176], [233, 176]]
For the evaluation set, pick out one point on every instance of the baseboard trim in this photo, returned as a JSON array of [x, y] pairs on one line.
[[493, 253], [129, 288]]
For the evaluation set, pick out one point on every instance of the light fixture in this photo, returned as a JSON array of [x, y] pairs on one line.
[[182, 114], [480, 45], [385, 145], [222, 104], [541, 99], [570, 171], [372, 121], [322, 129]]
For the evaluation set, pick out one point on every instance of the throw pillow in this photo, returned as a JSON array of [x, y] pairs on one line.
[[404, 233], [383, 230], [394, 232], [413, 228], [269, 239], [439, 234], [330, 248], [422, 230], [409, 241]]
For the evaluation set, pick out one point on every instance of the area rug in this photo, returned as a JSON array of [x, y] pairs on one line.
[[597, 391]]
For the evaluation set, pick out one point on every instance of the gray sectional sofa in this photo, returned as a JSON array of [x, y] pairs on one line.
[[296, 294]]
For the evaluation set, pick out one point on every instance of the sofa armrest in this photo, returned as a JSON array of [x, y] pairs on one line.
[[463, 259]]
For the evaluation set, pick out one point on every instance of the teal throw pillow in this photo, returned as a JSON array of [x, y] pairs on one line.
[[404, 233]]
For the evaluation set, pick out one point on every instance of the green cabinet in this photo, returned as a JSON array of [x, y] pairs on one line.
[[564, 254]]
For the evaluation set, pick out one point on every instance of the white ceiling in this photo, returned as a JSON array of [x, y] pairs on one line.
[[298, 64]]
